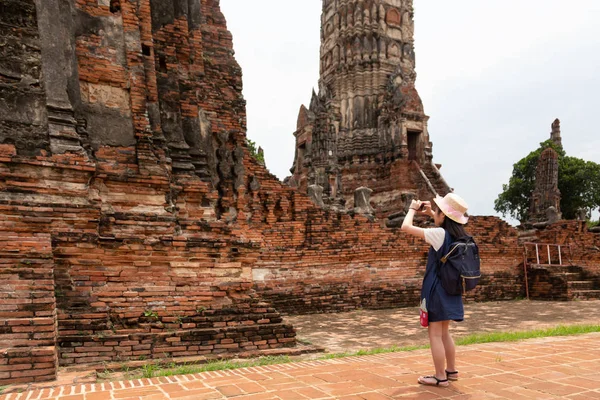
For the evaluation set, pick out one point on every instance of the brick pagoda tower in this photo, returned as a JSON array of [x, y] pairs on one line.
[[546, 194], [367, 126]]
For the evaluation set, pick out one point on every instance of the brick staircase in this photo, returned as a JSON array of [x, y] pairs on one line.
[[583, 289], [565, 282]]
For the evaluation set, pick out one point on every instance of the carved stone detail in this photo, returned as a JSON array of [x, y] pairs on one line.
[[367, 113], [362, 201], [546, 193], [315, 192]]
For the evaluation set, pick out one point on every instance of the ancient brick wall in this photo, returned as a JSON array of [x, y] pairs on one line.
[[131, 278], [566, 263], [313, 260], [501, 258], [584, 245], [23, 120], [115, 236], [27, 306]]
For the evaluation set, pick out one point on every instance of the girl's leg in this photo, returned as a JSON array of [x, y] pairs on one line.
[[436, 330], [449, 350]]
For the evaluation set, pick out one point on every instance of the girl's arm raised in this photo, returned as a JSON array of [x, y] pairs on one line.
[[407, 225]]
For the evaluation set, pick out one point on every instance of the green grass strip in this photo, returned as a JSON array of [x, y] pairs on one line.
[[379, 350], [155, 370], [477, 338], [493, 337]]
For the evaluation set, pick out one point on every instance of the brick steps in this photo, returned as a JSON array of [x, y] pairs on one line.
[[176, 343], [580, 285], [584, 294], [298, 350], [566, 282], [559, 269], [572, 277]]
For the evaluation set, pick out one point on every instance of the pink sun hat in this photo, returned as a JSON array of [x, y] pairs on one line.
[[454, 207]]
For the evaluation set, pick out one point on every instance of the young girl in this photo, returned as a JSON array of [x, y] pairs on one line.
[[449, 215]]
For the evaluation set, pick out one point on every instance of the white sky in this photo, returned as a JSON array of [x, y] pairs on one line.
[[492, 74]]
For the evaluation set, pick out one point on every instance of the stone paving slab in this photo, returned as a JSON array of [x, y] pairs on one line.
[[548, 368]]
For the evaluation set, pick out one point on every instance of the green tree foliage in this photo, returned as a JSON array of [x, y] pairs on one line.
[[258, 156], [578, 182]]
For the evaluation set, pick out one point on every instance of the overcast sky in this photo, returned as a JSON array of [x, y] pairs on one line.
[[492, 74]]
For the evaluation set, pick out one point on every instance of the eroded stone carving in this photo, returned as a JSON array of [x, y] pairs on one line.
[[362, 201], [367, 114], [315, 192], [546, 194]]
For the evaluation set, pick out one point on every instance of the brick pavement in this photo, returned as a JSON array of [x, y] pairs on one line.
[[548, 368]]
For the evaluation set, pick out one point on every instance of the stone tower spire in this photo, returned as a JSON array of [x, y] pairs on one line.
[[367, 114], [555, 134]]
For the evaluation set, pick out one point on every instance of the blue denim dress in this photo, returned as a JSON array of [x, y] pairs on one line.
[[440, 305]]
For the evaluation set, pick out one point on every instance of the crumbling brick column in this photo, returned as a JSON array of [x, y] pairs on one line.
[[28, 326]]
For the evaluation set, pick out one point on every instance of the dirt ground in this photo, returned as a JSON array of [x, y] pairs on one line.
[[367, 329]]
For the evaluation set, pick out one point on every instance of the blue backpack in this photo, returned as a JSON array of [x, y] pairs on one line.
[[459, 270]]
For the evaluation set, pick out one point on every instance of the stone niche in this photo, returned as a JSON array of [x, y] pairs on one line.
[[392, 17]]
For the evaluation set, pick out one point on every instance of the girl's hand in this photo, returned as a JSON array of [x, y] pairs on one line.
[[427, 208], [423, 207], [415, 205]]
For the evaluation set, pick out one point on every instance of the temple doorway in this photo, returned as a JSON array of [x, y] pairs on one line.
[[413, 142]]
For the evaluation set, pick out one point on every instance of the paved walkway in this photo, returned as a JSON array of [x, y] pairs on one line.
[[549, 368]]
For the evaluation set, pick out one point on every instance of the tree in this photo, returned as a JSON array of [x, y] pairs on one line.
[[257, 154], [578, 182]]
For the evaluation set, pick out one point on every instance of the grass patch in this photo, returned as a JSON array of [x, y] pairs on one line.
[[477, 338], [155, 370], [303, 341], [379, 350], [560, 330]]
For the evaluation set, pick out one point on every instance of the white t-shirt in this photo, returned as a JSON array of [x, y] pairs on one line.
[[435, 237]]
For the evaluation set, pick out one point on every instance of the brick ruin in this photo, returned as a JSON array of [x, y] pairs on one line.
[[135, 224], [367, 126], [565, 263], [122, 171], [545, 200]]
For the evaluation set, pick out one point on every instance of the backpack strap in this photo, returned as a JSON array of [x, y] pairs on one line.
[[445, 249], [445, 258], [459, 241]]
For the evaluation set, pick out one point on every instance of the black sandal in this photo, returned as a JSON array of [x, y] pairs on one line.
[[438, 382], [452, 375]]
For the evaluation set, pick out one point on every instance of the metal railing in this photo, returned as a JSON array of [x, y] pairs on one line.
[[539, 257]]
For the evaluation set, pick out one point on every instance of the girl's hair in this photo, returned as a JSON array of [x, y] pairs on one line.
[[455, 229]]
